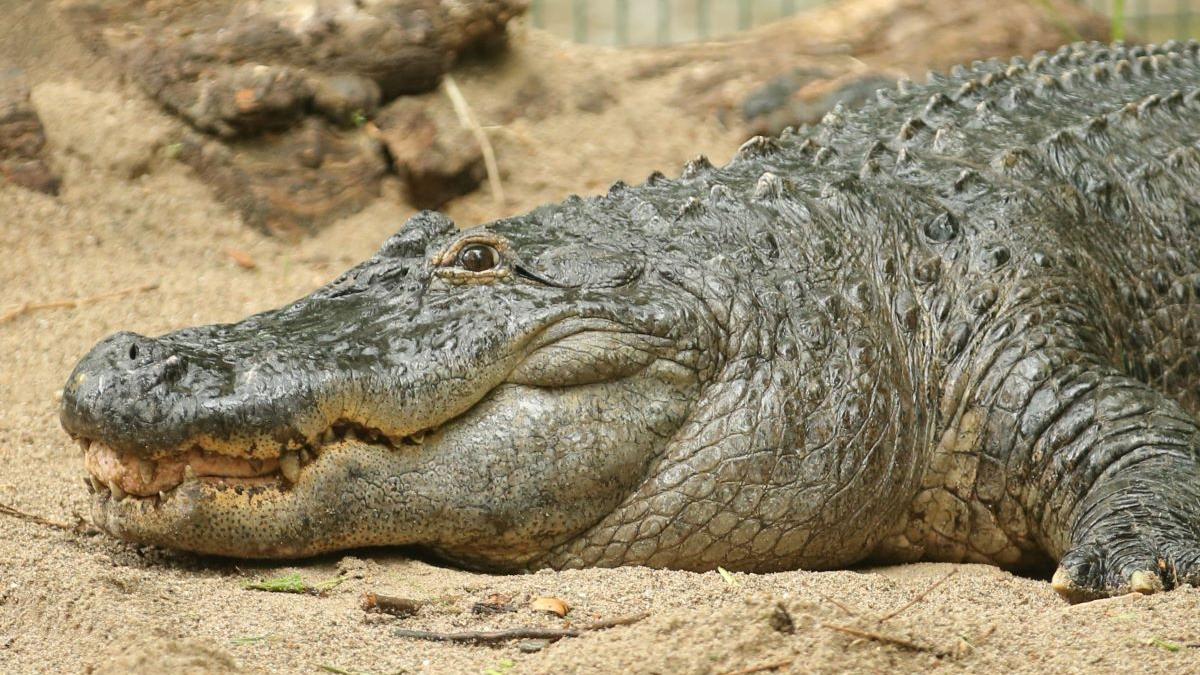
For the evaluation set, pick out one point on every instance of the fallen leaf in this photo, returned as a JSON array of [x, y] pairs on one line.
[[551, 605], [246, 100], [728, 577], [242, 258]]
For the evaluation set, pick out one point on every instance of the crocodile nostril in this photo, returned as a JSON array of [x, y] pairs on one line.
[[133, 352]]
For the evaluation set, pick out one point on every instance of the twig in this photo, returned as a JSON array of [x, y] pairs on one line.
[[524, 633], [486, 636], [10, 511], [920, 596], [617, 621], [837, 604], [880, 637], [467, 119], [387, 604], [763, 667], [65, 304]]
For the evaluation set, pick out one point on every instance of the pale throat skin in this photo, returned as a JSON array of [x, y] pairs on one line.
[[960, 324]]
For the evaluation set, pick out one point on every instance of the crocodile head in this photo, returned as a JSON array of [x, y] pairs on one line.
[[484, 394]]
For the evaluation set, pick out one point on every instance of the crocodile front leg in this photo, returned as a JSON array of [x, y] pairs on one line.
[[1106, 468], [1127, 516]]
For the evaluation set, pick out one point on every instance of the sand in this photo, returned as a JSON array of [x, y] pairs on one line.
[[74, 600]]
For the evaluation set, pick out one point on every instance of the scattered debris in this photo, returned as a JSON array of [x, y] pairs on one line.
[[293, 583], [1165, 644], [781, 620], [837, 604], [241, 259], [248, 640], [387, 604], [58, 525], [881, 637], [554, 606], [501, 668], [762, 668], [70, 304], [495, 603], [532, 646], [728, 577], [525, 633], [919, 597]]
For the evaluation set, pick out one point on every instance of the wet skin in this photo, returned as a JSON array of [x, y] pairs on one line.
[[959, 324]]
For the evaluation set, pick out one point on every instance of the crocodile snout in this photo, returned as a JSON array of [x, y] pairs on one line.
[[131, 391]]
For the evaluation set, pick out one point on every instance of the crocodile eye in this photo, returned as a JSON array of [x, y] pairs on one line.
[[478, 258]]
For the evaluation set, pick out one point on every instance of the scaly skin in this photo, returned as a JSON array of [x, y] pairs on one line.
[[959, 324]]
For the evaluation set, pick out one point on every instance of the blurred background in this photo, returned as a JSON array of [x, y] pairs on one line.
[[650, 22]]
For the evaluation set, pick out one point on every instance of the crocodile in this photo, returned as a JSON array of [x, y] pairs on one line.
[[960, 323]]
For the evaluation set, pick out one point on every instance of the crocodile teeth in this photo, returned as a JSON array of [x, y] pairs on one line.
[[417, 439], [289, 466], [87, 483], [146, 470], [189, 473], [117, 493], [162, 495], [83, 444], [97, 485]]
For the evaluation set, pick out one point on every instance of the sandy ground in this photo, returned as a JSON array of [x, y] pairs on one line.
[[76, 601]]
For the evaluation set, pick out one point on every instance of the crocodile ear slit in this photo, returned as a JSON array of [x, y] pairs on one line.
[[525, 273]]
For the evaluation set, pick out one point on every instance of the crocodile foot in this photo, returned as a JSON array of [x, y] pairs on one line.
[[1092, 571]]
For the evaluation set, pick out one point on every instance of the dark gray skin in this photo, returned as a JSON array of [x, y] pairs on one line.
[[960, 324]]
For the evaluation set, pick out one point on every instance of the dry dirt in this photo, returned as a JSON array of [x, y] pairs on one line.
[[129, 216]]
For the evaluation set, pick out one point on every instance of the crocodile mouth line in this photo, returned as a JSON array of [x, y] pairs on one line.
[[124, 475]]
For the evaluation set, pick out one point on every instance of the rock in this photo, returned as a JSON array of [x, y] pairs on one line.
[[532, 646], [804, 97], [22, 137], [794, 70], [347, 99], [112, 133], [291, 182], [289, 86], [238, 67], [435, 156]]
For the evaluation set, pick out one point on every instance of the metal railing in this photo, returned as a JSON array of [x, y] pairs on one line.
[[646, 22]]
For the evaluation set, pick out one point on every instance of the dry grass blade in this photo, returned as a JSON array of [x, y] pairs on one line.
[[523, 633], [467, 119], [884, 638], [762, 667], [31, 307], [837, 604], [919, 597], [16, 513]]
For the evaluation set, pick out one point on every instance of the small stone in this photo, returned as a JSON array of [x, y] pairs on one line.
[[532, 646]]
